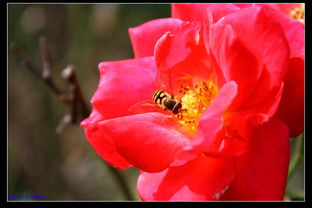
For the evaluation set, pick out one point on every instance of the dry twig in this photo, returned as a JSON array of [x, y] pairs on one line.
[[74, 98]]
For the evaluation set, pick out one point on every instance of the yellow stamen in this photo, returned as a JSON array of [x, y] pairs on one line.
[[298, 13], [195, 99]]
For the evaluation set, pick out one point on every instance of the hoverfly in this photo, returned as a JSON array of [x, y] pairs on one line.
[[162, 99], [167, 101]]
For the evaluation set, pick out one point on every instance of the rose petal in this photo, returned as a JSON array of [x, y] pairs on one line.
[[210, 124], [212, 119], [203, 178], [181, 55], [101, 142], [285, 8], [293, 29], [145, 36], [264, 38], [197, 12], [122, 85], [244, 121], [218, 76], [236, 61], [148, 141], [291, 108], [262, 171], [244, 5]]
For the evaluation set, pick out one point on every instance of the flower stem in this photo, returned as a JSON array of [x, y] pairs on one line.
[[122, 182], [295, 194], [73, 99], [297, 156]]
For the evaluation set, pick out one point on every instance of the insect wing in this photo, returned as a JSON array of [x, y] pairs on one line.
[[147, 106], [168, 82], [164, 80]]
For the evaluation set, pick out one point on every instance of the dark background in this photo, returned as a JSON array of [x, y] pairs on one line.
[[64, 166]]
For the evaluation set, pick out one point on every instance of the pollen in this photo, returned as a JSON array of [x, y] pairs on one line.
[[298, 13], [195, 99]]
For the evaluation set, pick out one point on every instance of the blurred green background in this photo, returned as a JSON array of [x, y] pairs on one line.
[[64, 166]]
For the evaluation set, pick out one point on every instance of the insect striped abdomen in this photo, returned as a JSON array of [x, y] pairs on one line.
[[159, 96], [167, 101]]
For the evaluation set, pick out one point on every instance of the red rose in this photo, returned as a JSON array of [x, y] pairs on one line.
[[238, 73]]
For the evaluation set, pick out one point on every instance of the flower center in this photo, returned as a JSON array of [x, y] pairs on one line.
[[298, 13], [195, 99]]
